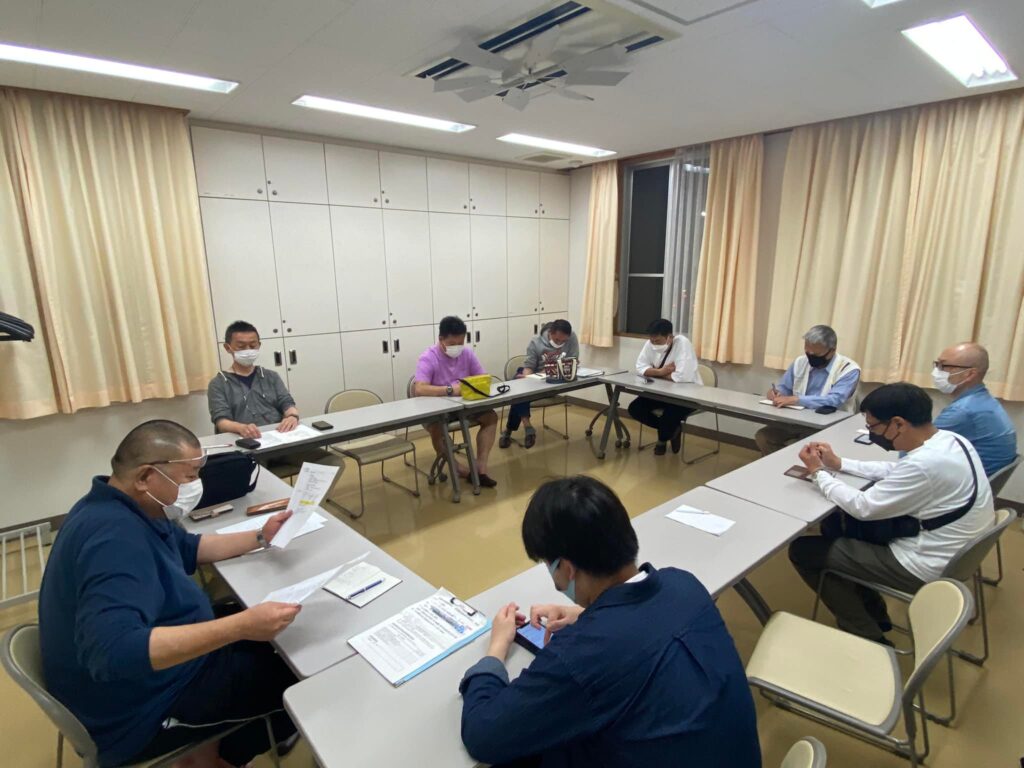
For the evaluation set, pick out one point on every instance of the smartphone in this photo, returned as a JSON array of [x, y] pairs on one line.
[[863, 439], [248, 443], [323, 426], [530, 637], [826, 409], [800, 473]]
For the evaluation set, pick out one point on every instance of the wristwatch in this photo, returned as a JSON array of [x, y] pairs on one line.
[[262, 540], [449, 390]]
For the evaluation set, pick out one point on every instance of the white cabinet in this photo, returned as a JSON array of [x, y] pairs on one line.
[[520, 331], [488, 245], [367, 358], [407, 344], [554, 196], [448, 185], [295, 170], [315, 373], [490, 343], [359, 267], [523, 266], [553, 287], [304, 256], [240, 252], [353, 176], [487, 191], [407, 254], [228, 164], [403, 181], [523, 193], [450, 265]]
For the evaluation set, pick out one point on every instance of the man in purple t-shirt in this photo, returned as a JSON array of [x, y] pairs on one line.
[[437, 375]]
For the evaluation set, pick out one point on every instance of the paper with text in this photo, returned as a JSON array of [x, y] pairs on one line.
[[297, 593], [275, 437], [256, 523], [791, 407], [361, 584], [701, 520], [314, 481]]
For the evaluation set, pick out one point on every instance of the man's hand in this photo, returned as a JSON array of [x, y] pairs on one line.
[[265, 621], [456, 389], [557, 616], [288, 423], [247, 430], [828, 456], [782, 400], [809, 456], [273, 525], [503, 631]]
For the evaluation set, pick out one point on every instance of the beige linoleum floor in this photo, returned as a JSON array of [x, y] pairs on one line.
[[473, 545]]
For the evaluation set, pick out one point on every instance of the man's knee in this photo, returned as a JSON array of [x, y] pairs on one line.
[[487, 418], [809, 553], [636, 408]]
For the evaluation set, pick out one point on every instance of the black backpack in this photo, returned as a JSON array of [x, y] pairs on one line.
[[226, 477]]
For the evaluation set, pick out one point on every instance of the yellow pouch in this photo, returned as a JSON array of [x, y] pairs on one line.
[[476, 387]]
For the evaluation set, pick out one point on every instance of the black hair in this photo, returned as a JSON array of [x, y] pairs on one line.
[[451, 326], [560, 326], [908, 401], [156, 440], [239, 326], [579, 518], [661, 327]]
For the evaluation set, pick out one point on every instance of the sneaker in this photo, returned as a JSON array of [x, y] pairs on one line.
[[677, 439], [505, 440], [486, 481], [531, 438], [659, 448]]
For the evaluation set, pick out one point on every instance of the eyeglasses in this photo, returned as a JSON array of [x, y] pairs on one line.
[[943, 366], [877, 424], [201, 459]]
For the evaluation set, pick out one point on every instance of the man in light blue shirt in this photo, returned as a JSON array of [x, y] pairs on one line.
[[821, 378], [974, 413]]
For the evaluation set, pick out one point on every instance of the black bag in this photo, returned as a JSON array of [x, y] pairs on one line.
[[226, 477]]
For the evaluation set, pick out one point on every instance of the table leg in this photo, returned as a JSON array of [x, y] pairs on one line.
[[610, 419], [450, 454], [753, 599], [470, 455]]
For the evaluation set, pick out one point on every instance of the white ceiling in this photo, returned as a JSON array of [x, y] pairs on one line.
[[768, 65]]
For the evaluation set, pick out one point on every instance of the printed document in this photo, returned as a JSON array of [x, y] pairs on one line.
[[256, 523], [701, 520], [791, 407], [297, 593], [361, 584], [275, 437], [315, 480]]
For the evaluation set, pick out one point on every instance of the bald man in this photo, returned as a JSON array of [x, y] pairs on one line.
[[960, 371], [130, 643]]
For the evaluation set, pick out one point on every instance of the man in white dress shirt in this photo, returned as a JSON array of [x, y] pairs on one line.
[[938, 487], [665, 356]]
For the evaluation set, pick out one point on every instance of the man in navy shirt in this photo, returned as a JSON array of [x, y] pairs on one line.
[[639, 673], [129, 641]]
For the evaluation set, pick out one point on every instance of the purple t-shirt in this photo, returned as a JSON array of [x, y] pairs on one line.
[[436, 368]]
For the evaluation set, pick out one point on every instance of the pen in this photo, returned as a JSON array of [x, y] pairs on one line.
[[367, 588], [448, 620]]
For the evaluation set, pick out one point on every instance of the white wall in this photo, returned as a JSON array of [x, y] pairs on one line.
[[743, 378]]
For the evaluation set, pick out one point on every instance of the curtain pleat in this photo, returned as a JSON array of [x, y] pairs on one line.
[[597, 324]]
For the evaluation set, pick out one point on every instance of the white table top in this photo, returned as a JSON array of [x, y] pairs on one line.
[[524, 389], [742, 404], [318, 637]]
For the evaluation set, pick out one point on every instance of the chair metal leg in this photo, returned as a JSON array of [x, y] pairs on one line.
[[60, 750], [405, 488], [274, 757], [999, 567], [544, 422], [706, 455], [979, 594]]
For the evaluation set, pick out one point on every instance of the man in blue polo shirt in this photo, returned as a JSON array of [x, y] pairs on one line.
[[974, 413], [130, 643]]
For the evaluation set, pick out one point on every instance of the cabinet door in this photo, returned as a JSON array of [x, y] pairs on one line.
[[407, 344], [403, 181], [554, 265], [490, 343], [359, 268], [240, 255], [315, 370], [554, 196], [523, 193], [407, 254], [295, 170], [448, 185], [305, 268], [487, 191], [450, 265], [367, 358], [353, 176], [521, 331], [523, 256], [489, 247], [228, 164]]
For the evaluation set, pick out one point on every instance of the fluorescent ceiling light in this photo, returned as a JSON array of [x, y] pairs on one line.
[[558, 146], [376, 113], [879, 3], [962, 51], [113, 68]]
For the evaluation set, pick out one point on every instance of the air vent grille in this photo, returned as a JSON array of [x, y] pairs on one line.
[[544, 157]]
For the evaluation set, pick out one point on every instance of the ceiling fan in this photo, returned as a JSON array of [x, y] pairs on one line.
[[541, 70]]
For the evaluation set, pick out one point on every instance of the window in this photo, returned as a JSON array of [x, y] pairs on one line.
[[662, 228]]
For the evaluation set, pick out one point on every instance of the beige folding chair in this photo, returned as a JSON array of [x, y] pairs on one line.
[[436, 473], [514, 364], [997, 480], [23, 660], [806, 753], [375, 449], [709, 378], [853, 684]]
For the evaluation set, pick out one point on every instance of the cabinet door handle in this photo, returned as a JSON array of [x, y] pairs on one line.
[[534, 329], [398, 345], [277, 360], [293, 357], [469, 337], [478, 337], [384, 347]]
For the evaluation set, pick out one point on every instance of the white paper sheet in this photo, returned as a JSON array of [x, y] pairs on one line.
[[358, 578], [701, 520], [274, 437], [587, 373], [314, 481], [792, 407], [298, 593], [255, 523]]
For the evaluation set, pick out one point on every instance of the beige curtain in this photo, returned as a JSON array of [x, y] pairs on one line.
[[723, 310], [111, 242], [597, 325], [898, 230]]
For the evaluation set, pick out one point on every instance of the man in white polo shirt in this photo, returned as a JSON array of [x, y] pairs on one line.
[[936, 498]]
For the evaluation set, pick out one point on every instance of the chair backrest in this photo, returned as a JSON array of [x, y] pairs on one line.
[[938, 614], [806, 753], [708, 375], [22, 658], [409, 387], [513, 364], [998, 478], [348, 399], [967, 561]]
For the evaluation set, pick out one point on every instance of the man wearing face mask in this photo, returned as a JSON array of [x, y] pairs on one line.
[[974, 413], [640, 672], [130, 643], [820, 378], [939, 488], [555, 340], [438, 373]]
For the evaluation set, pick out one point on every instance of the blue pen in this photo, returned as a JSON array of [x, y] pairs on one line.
[[367, 588], [448, 620]]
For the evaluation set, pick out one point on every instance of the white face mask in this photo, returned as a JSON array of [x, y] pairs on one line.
[[659, 347], [454, 350], [189, 495], [556, 346], [940, 379], [246, 357]]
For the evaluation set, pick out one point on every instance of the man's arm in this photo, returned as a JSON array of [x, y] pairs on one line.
[[841, 391], [785, 385], [903, 491], [214, 547], [685, 360]]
